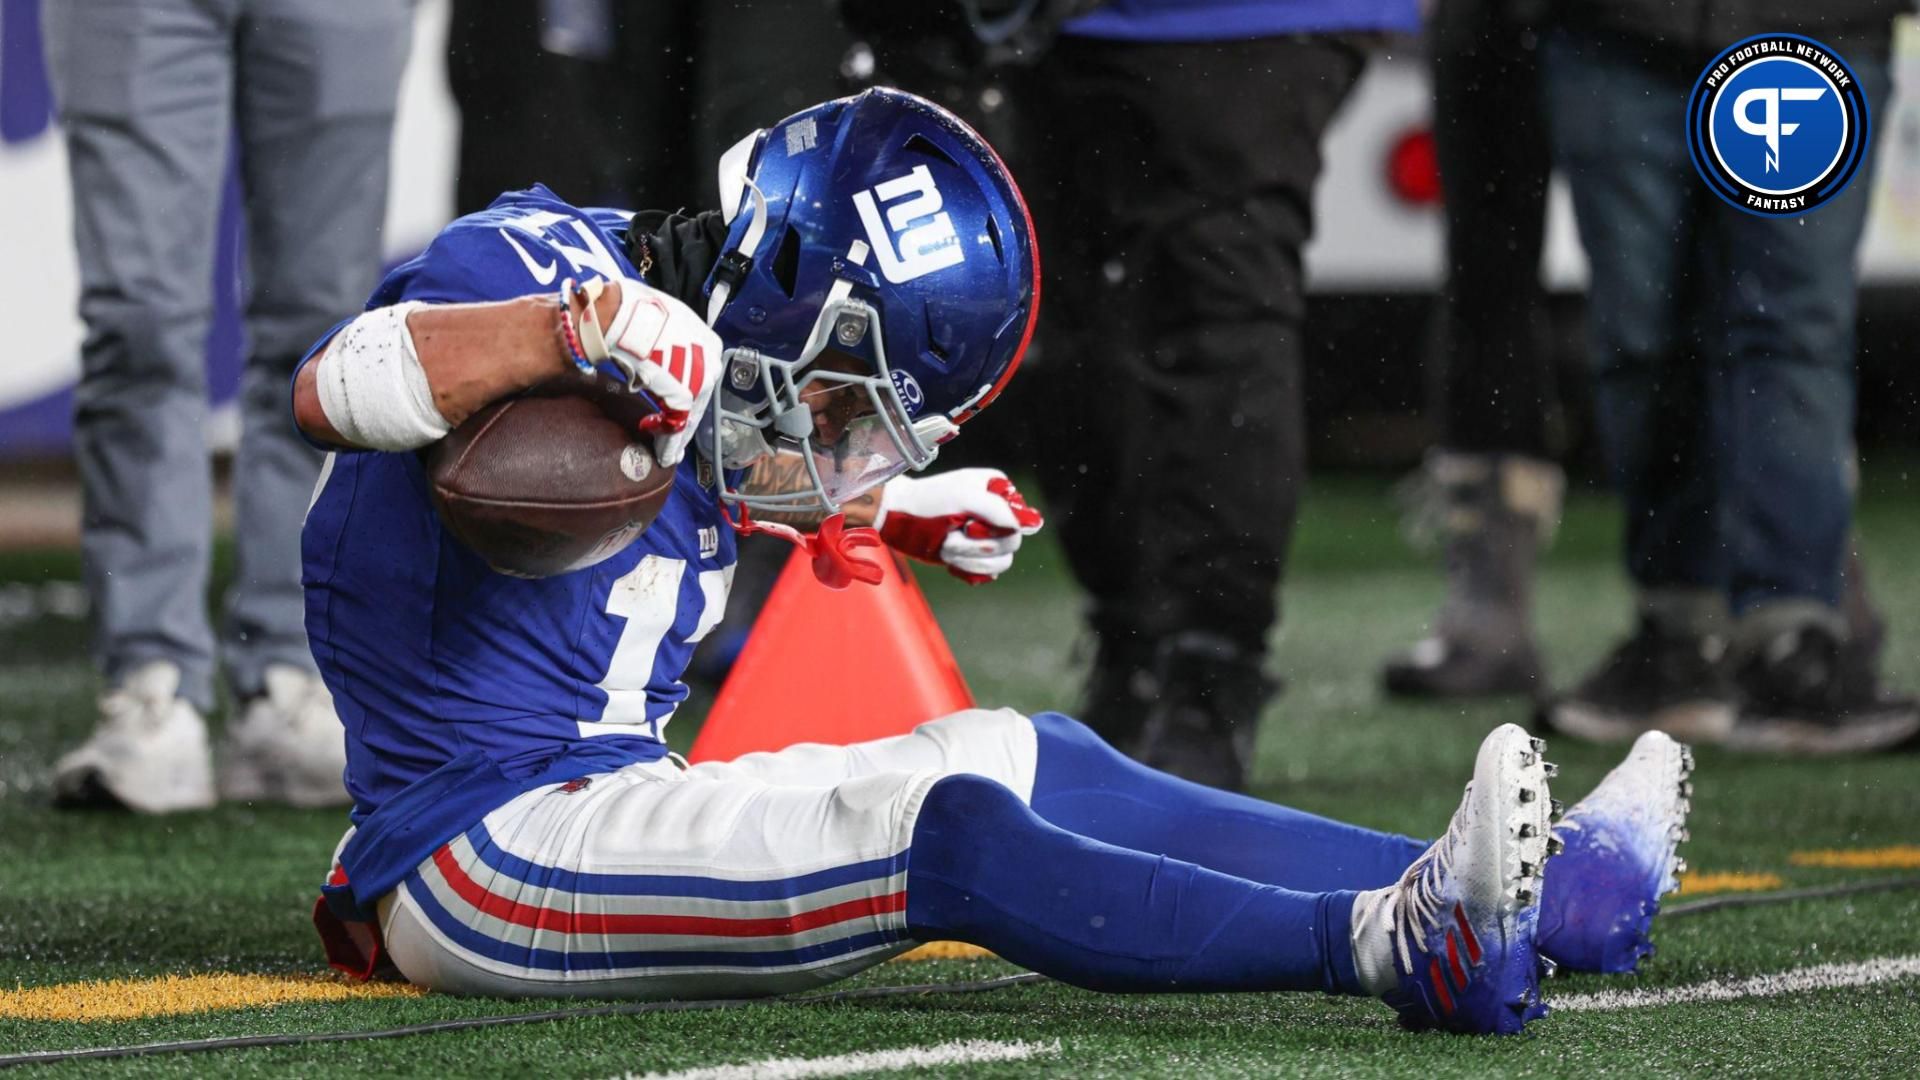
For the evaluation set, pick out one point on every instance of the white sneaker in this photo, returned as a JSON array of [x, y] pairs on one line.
[[148, 753], [1452, 944], [287, 745]]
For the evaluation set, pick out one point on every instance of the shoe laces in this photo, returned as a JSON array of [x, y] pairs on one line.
[[1418, 905]]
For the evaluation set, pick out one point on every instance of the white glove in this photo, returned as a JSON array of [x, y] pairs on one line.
[[969, 520], [664, 349]]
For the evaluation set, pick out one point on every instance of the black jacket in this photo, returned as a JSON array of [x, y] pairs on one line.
[[1703, 27], [676, 252]]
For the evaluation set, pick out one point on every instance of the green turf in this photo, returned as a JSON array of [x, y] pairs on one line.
[[96, 895]]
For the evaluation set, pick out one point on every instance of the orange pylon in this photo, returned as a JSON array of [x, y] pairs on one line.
[[834, 666]]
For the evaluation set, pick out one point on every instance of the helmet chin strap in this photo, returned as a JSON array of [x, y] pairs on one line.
[[749, 243]]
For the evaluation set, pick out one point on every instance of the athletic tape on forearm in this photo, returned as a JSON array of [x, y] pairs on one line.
[[372, 388]]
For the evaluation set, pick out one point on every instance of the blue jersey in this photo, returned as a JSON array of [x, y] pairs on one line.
[[437, 661]]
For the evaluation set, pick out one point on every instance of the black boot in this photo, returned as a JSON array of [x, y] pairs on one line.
[[1805, 689], [1120, 688], [1493, 514], [1672, 675], [1202, 726]]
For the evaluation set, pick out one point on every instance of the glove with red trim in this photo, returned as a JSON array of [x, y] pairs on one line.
[[969, 520], [666, 350]]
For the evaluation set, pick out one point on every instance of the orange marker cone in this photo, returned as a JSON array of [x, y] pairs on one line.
[[835, 667]]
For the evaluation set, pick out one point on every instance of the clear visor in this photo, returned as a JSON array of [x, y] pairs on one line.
[[827, 477], [867, 455], [822, 436]]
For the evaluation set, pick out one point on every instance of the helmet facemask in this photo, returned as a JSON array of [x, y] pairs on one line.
[[881, 439]]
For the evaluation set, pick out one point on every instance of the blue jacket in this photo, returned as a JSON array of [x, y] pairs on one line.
[[1239, 20]]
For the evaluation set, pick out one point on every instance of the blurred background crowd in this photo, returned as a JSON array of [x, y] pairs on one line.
[[1463, 236]]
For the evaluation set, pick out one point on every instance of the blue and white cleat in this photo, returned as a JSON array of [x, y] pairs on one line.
[[1617, 858], [1462, 917]]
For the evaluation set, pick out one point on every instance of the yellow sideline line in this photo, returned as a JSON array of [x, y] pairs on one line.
[[944, 950], [176, 995], [1897, 857], [172, 995], [1696, 882]]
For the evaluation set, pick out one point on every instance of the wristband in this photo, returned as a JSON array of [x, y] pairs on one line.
[[568, 337]]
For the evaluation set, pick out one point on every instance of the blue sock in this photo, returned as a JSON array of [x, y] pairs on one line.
[[1084, 786], [985, 869]]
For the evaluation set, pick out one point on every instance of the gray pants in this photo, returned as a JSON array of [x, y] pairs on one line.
[[151, 94]]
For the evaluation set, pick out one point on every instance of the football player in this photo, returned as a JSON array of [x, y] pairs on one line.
[[520, 828]]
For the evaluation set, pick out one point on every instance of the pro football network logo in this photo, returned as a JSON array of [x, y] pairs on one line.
[[1777, 125]]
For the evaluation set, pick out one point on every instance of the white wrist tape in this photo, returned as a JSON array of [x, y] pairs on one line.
[[372, 388], [593, 340]]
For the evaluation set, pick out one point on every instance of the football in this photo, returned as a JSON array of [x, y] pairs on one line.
[[550, 481]]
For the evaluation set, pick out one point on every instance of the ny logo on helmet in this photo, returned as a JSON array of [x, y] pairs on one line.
[[917, 237]]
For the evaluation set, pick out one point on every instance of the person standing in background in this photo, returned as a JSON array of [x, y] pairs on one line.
[[1725, 383], [1170, 148], [672, 85], [151, 96], [1491, 491], [1173, 148], [512, 67]]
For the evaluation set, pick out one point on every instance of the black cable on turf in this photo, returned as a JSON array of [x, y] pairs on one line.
[[245, 1042], [1785, 896]]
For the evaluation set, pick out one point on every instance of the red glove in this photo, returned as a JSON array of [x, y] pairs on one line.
[[969, 520]]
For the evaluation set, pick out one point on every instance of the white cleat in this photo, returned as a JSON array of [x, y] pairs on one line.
[[1618, 857], [1461, 920], [287, 746], [148, 753]]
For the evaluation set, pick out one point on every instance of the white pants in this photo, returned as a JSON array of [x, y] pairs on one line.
[[773, 873]]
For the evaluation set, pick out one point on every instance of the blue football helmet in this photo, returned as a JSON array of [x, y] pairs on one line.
[[884, 231]]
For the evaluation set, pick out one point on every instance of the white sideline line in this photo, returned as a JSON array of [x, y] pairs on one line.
[[963, 1052], [1799, 980]]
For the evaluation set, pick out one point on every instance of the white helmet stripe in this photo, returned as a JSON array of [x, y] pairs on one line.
[[749, 243]]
